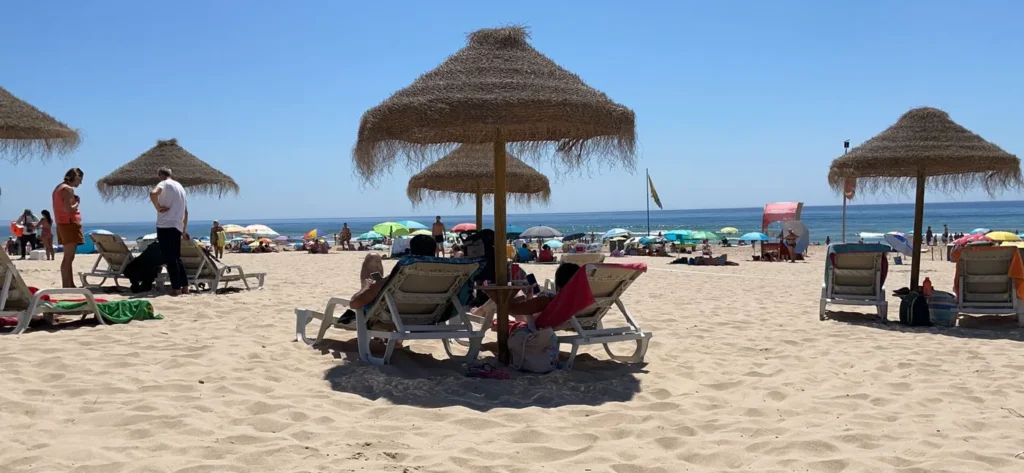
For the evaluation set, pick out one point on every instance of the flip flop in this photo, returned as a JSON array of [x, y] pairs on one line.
[[487, 371]]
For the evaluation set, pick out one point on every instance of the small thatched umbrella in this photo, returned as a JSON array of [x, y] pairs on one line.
[[26, 130], [469, 171], [925, 145], [496, 90], [137, 178]]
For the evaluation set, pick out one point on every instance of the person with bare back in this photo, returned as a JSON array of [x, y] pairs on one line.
[[69, 223], [438, 232]]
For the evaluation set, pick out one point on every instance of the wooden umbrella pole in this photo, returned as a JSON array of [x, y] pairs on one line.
[[500, 256], [915, 262], [479, 206]]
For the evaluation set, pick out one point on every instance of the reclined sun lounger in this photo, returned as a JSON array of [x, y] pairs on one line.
[[17, 300], [114, 253], [419, 301], [855, 275], [207, 274], [990, 280]]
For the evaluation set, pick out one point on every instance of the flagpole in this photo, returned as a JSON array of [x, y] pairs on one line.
[[648, 192], [846, 147]]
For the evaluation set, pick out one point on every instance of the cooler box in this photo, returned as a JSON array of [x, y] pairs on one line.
[[942, 308], [37, 255]]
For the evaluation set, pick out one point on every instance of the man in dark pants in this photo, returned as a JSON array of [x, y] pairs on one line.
[[168, 198]]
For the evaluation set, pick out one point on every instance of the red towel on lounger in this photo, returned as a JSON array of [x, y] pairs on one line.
[[574, 297]]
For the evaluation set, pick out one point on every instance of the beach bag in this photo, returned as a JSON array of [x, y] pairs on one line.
[[533, 351], [914, 310]]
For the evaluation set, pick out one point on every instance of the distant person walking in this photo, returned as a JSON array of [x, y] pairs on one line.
[[46, 233], [928, 235], [28, 222], [171, 205], [438, 231], [68, 218], [218, 240]]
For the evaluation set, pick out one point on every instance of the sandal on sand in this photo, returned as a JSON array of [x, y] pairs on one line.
[[487, 371]]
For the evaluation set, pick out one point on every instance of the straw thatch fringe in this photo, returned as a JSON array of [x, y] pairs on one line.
[[423, 196], [137, 178], [498, 87], [925, 141], [470, 168], [26, 131]]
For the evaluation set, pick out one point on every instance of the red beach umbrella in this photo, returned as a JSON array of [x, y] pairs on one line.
[[464, 227]]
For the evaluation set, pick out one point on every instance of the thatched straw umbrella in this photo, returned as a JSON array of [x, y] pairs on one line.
[[137, 178], [926, 146], [469, 171], [26, 130], [496, 90]]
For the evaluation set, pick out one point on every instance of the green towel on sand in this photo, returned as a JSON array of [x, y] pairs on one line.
[[118, 312]]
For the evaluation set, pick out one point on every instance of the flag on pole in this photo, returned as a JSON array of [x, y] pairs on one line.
[[654, 193]]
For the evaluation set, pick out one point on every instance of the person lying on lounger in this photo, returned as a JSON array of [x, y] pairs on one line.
[[521, 306]]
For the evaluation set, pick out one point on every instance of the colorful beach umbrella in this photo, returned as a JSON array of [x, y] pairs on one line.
[[540, 232], [412, 225], [972, 238], [1002, 236], [464, 227], [700, 236], [899, 242], [232, 228], [980, 230], [755, 236], [392, 229], [260, 230], [729, 230], [310, 235], [368, 236], [424, 232]]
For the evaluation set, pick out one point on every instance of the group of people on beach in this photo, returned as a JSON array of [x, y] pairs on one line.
[[168, 198]]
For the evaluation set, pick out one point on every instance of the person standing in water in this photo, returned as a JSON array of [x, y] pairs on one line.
[[438, 232], [46, 233], [168, 198], [69, 223]]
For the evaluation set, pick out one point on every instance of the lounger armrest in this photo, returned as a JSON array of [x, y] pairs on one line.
[[228, 268], [37, 298]]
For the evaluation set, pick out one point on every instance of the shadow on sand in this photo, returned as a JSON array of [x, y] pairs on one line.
[[984, 327], [420, 380]]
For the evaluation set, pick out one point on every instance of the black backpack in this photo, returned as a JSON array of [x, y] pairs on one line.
[[914, 310], [144, 269]]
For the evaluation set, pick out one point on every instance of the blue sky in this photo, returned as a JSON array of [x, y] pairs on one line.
[[737, 103]]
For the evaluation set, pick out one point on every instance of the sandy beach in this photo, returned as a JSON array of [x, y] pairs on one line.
[[740, 376]]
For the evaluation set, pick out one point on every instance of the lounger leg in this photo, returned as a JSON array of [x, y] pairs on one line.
[[636, 357], [821, 309], [302, 319], [883, 312], [572, 356]]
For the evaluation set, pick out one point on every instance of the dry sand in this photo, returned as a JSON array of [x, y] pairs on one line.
[[740, 376]]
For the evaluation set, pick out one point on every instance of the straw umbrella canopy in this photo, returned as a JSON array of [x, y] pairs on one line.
[[925, 148], [26, 131], [469, 171], [137, 178], [496, 90]]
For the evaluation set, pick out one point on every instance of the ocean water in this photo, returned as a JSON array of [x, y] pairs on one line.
[[822, 221]]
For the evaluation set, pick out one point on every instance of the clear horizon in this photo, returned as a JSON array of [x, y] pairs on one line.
[[735, 106]]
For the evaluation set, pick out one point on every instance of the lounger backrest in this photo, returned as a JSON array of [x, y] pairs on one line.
[[582, 259], [856, 274], [112, 249], [421, 292], [607, 283], [197, 263], [984, 274], [18, 295]]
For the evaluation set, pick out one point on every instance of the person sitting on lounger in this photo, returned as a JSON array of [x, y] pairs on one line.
[[705, 249], [420, 245], [521, 306]]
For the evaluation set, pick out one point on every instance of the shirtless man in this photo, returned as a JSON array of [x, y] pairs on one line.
[[438, 232]]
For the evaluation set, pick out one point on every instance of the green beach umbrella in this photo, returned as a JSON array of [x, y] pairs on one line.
[[392, 229], [700, 236]]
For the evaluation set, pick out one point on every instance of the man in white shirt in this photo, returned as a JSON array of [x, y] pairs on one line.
[[168, 198]]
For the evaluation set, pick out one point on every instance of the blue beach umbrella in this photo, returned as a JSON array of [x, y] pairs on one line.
[[754, 236], [677, 235], [370, 236], [980, 230], [412, 225], [553, 244], [615, 233]]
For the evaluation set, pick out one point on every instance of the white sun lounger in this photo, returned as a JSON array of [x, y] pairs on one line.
[[415, 301], [608, 282], [984, 285], [203, 271], [581, 259], [114, 253], [855, 279], [17, 301]]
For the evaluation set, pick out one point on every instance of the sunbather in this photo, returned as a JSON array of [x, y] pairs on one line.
[[523, 306], [372, 279]]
